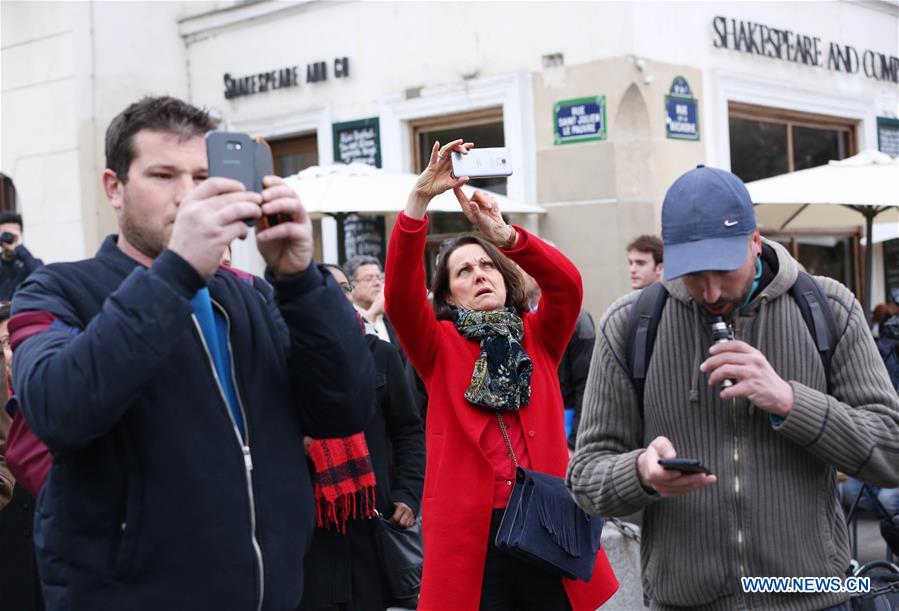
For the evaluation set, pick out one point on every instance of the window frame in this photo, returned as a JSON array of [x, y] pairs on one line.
[[482, 116], [793, 118]]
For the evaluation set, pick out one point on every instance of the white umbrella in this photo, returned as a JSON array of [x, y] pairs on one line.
[[358, 188], [830, 195]]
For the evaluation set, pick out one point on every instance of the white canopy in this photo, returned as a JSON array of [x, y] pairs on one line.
[[826, 196], [363, 189], [844, 192]]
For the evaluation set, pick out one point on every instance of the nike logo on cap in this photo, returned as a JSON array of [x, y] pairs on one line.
[[730, 223]]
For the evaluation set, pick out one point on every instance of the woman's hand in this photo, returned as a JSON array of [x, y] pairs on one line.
[[482, 211], [436, 178]]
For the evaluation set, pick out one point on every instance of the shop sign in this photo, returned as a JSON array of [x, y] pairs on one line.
[[789, 46], [888, 136], [579, 120], [358, 142], [316, 72], [363, 234], [681, 111]]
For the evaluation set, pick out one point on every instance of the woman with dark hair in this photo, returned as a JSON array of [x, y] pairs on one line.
[[490, 369]]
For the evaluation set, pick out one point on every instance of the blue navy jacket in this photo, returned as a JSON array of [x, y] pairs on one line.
[[154, 501], [14, 272]]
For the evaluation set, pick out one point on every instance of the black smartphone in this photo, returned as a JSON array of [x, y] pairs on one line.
[[684, 465], [236, 155], [233, 155]]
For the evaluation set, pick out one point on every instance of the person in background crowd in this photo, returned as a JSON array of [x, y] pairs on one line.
[[644, 261], [367, 280], [575, 363], [16, 261], [773, 439], [886, 318], [487, 362], [343, 570], [174, 394], [19, 585]]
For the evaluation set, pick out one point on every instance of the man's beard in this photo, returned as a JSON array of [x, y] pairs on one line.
[[140, 234], [734, 303]]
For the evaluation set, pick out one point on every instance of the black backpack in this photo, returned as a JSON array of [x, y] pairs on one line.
[[646, 313]]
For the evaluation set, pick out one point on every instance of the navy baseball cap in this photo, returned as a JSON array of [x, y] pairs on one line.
[[706, 216]]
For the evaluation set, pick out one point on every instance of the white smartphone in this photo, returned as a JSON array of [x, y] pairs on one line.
[[482, 163]]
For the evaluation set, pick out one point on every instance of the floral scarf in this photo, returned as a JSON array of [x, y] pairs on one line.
[[502, 374]]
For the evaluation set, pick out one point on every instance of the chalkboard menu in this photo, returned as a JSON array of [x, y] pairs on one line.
[[891, 270], [888, 136], [358, 142], [363, 235]]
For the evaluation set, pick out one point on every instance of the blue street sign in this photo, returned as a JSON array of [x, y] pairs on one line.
[[579, 120], [681, 112]]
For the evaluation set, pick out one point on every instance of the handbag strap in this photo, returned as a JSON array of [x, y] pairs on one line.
[[502, 426]]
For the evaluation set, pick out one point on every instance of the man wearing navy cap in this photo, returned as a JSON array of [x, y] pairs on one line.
[[773, 436]]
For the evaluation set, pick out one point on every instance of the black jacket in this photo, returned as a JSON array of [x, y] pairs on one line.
[[14, 272], [154, 501], [574, 367], [397, 447]]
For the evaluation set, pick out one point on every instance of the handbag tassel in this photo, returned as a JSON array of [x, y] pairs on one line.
[[563, 531]]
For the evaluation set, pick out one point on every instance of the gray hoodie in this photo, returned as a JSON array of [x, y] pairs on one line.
[[774, 510]]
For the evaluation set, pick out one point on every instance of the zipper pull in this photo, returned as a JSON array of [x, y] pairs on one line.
[[247, 459]]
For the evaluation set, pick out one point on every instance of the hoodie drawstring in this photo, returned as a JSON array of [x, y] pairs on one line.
[[697, 355]]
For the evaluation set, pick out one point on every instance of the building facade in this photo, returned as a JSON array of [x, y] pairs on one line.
[[601, 105]]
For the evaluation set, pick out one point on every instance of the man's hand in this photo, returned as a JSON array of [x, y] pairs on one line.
[[209, 218], [667, 482], [288, 246], [376, 309], [403, 515], [752, 374]]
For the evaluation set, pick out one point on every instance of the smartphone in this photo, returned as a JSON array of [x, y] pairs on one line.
[[232, 155], [236, 155], [482, 163], [684, 465]]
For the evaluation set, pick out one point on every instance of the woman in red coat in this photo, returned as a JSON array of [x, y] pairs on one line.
[[482, 354]]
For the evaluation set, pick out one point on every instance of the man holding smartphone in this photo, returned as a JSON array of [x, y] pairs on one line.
[[175, 394], [773, 439], [16, 261]]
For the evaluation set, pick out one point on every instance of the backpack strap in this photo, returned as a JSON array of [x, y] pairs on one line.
[[642, 324], [645, 314], [818, 317]]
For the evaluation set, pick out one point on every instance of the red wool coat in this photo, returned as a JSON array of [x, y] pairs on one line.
[[459, 480]]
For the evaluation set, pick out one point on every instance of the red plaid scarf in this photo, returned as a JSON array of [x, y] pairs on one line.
[[344, 481]]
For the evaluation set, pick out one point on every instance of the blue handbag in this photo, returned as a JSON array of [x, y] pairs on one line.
[[543, 526]]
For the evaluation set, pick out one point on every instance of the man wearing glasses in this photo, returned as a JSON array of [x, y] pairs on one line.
[[367, 283]]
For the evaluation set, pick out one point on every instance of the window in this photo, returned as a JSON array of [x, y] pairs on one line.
[[835, 255], [294, 154], [485, 129], [769, 141]]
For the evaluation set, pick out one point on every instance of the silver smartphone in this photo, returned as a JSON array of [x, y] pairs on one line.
[[482, 163]]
